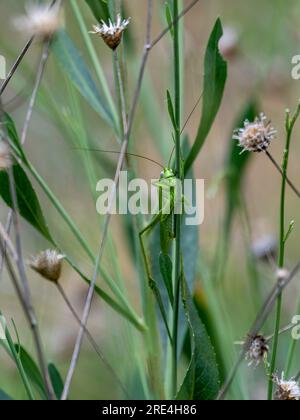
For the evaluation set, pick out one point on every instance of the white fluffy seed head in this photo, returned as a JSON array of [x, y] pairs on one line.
[[111, 33], [255, 136], [286, 390], [40, 20], [48, 264]]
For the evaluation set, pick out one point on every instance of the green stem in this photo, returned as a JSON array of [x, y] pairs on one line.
[[93, 55], [290, 122], [177, 270], [150, 339]]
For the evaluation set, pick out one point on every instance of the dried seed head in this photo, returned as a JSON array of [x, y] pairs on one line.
[[255, 136], [48, 264], [286, 390], [40, 20], [111, 33], [258, 350], [5, 156]]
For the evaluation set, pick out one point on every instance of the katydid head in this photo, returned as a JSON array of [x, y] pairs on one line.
[[167, 173]]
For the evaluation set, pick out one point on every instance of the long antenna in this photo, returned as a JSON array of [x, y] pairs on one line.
[[191, 113], [186, 123], [117, 153]]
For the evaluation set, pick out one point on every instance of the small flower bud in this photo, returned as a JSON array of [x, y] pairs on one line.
[[111, 33], [48, 264]]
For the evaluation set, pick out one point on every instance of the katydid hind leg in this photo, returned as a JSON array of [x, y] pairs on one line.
[[152, 283]]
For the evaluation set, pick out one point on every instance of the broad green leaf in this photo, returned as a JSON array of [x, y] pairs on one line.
[[215, 74], [28, 203], [201, 381], [235, 166], [190, 251], [99, 9], [166, 272], [72, 63], [32, 371], [56, 380], [4, 396]]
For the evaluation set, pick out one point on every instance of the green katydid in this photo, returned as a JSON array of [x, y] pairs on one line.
[[168, 200], [164, 218]]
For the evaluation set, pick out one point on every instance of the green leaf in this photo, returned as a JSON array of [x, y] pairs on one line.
[[4, 396], [13, 135], [28, 203], [169, 18], [235, 167], [166, 269], [56, 380], [201, 381], [290, 230], [215, 74], [32, 371], [72, 63], [171, 110], [99, 9]]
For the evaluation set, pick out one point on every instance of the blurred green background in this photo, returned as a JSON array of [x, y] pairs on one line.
[[267, 37]]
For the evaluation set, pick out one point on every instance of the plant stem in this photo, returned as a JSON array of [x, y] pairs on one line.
[[290, 122], [96, 63], [177, 264], [277, 166], [121, 92], [91, 339], [25, 293]]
